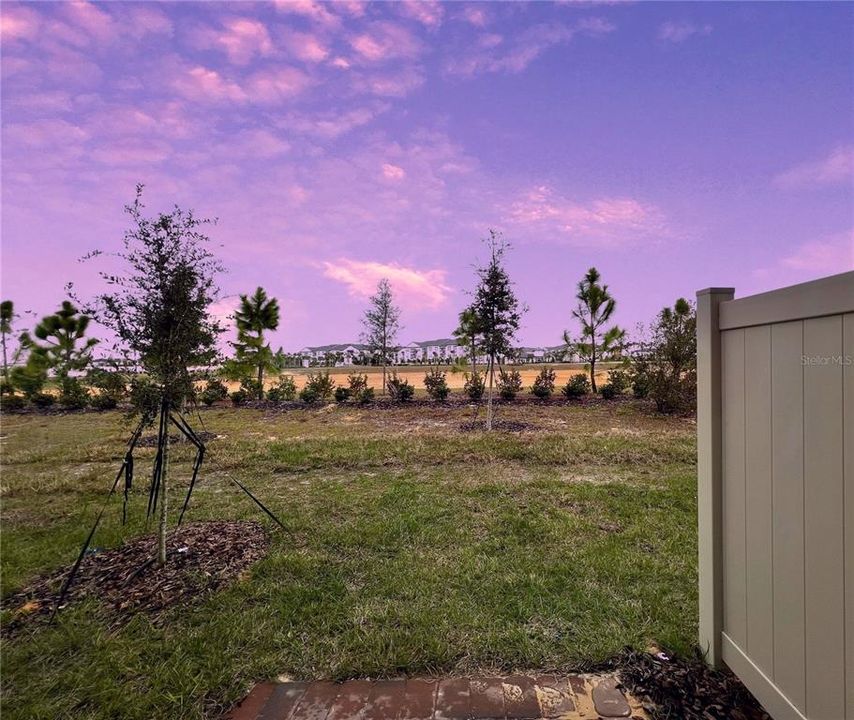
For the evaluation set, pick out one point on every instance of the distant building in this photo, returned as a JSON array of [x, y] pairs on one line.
[[336, 355]]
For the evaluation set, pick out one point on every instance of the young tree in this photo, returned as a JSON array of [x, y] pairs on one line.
[[159, 313], [58, 349], [666, 364], [594, 310], [382, 324], [466, 335], [255, 315], [496, 311]]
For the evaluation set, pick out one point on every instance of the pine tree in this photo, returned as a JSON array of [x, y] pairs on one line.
[[255, 315], [496, 311], [595, 308], [382, 324]]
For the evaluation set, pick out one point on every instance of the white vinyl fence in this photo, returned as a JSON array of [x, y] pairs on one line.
[[776, 493]]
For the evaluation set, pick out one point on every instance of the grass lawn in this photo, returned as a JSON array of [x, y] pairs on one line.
[[417, 548]]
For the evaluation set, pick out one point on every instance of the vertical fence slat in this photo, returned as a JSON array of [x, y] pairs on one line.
[[787, 398], [823, 518], [732, 387], [848, 450], [757, 440]]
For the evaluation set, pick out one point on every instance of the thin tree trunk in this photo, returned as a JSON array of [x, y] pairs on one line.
[[5, 362], [489, 397], [384, 377], [260, 382], [161, 540], [593, 372]]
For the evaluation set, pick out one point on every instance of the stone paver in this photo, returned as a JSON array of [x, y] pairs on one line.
[[516, 697]]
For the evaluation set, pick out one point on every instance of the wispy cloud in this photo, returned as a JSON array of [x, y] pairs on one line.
[[812, 259], [836, 168], [412, 288], [514, 54], [610, 221], [678, 31], [240, 38], [428, 12]]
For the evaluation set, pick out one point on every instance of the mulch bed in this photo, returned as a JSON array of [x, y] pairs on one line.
[[202, 557], [685, 688], [151, 440]]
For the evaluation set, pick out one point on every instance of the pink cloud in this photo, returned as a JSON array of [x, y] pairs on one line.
[[18, 22], [836, 168], [493, 55], [315, 11], [306, 46], [393, 172], [834, 254], [332, 125], [390, 84], [202, 84], [680, 31], [386, 41], [475, 15], [240, 38], [44, 133], [275, 85], [612, 220], [428, 12], [85, 15], [412, 288]]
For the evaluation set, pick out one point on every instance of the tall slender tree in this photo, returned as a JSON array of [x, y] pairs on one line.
[[594, 310], [159, 313], [496, 311], [60, 342], [381, 326], [256, 314]]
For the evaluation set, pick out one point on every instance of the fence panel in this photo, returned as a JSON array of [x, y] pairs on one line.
[[776, 493]]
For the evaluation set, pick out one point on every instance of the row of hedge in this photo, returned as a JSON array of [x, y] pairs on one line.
[[320, 387]]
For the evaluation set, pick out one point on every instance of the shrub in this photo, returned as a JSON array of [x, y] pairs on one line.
[[577, 386], [544, 384], [317, 387], [251, 387], [30, 379], [144, 397], [474, 385], [342, 394], [73, 395], [619, 380], [42, 400], [437, 386], [359, 390], [214, 391], [238, 397], [12, 403], [110, 384], [104, 401], [509, 383], [640, 385], [608, 391], [399, 390], [286, 389]]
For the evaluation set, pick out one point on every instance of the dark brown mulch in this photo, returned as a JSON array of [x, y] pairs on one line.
[[151, 440], [685, 688], [202, 557], [504, 425]]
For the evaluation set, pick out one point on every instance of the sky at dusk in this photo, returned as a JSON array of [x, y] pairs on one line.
[[673, 146]]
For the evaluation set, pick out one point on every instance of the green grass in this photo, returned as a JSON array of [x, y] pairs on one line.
[[415, 549]]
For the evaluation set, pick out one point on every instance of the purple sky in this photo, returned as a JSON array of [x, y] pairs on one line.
[[674, 146]]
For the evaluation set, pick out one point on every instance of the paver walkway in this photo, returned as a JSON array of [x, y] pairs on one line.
[[516, 697]]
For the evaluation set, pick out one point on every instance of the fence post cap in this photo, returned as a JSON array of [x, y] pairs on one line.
[[716, 291]]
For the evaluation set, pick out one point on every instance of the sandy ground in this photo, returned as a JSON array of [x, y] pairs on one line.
[[415, 375]]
